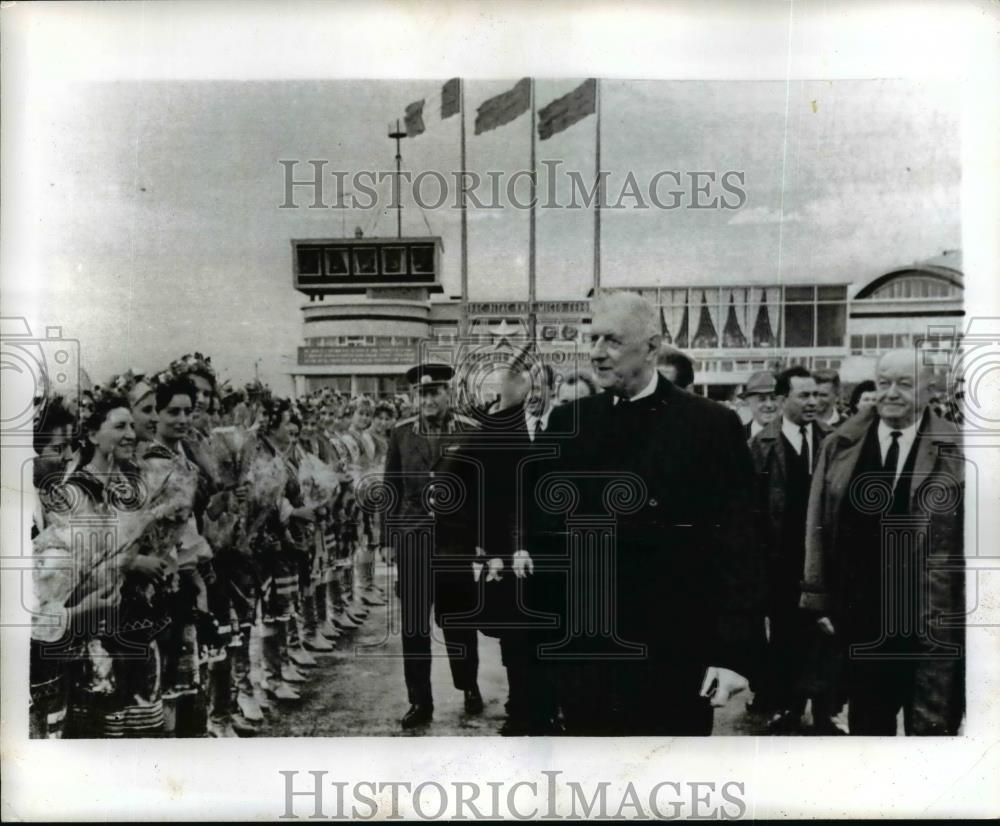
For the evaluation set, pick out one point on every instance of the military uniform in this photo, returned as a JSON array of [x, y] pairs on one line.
[[427, 526]]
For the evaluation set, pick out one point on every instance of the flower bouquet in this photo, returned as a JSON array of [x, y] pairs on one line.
[[317, 481]]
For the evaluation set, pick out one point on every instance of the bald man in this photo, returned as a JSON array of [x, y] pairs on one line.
[[640, 523], [884, 555]]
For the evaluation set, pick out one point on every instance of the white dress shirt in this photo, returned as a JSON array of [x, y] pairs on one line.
[[533, 423], [755, 428], [791, 431], [906, 439]]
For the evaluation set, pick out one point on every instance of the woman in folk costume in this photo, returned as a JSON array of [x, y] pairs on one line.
[[95, 580], [383, 419], [300, 519], [318, 484], [232, 709], [194, 639], [276, 551], [342, 529], [360, 451], [365, 453], [325, 572]]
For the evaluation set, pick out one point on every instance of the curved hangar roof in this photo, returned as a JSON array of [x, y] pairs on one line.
[[939, 277]]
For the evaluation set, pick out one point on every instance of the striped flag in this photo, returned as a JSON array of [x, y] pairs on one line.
[[504, 107], [450, 98], [563, 112], [414, 118], [417, 112]]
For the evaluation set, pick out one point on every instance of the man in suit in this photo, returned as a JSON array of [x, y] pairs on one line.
[[784, 455], [505, 451], [828, 385], [641, 519], [675, 366], [884, 569], [441, 575], [763, 401]]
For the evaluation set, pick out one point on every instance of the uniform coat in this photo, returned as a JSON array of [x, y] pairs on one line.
[[416, 463]]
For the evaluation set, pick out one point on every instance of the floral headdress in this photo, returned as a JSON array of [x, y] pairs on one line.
[[193, 363], [125, 383]]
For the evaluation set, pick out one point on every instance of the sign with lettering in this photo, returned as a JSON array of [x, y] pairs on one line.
[[367, 354], [519, 308]]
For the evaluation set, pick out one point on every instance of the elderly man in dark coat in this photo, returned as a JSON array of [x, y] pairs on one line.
[[640, 525], [884, 568]]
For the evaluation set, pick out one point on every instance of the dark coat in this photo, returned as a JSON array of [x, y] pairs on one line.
[[689, 584], [503, 455], [770, 460], [936, 495]]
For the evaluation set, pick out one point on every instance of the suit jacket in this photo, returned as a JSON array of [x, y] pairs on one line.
[[690, 586], [770, 459]]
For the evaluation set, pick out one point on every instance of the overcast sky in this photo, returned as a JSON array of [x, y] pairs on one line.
[[159, 230]]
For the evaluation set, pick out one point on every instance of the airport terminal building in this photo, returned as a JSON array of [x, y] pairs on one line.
[[375, 304]]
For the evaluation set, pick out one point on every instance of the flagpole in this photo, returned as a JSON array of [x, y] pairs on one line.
[[398, 136], [464, 310], [532, 322], [600, 193]]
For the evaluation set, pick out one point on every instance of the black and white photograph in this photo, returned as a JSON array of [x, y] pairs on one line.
[[564, 409]]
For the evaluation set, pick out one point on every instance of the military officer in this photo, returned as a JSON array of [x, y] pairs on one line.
[[434, 549]]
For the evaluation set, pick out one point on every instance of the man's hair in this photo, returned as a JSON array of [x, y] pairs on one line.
[[682, 366], [639, 310], [827, 376], [866, 386], [53, 418], [179, 386], [783, 384], [549, 375]]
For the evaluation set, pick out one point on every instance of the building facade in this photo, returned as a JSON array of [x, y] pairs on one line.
[[375, 306]]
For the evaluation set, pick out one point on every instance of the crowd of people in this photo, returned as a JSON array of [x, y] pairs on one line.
[[196, 547], [239, 550], [645, 556]]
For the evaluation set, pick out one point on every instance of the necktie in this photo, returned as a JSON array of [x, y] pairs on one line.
[[805, 452], [892, 456]]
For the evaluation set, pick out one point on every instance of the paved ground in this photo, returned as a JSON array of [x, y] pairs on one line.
[[358, 690]]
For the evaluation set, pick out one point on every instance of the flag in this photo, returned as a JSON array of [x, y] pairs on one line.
[[414, 119], [664, 330], [563, 112], [504, 107], [682, 334], [450, 98], [732, 335], [705, 335], [762, 334]]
